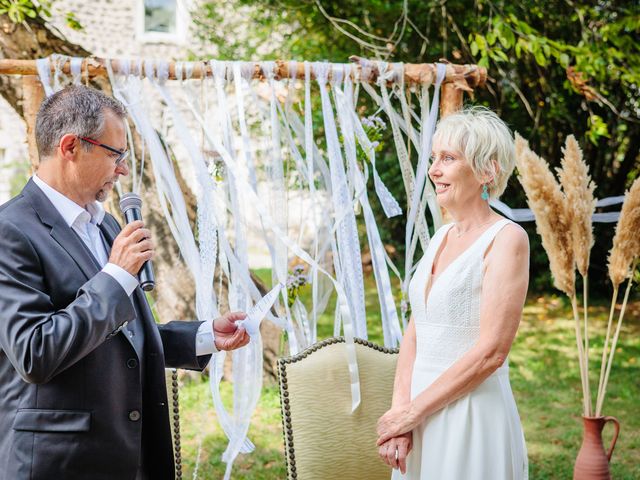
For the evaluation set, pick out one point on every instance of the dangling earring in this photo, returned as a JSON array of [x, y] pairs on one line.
[[485, 192]]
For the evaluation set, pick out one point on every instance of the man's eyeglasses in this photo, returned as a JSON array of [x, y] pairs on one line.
[[122, 154]]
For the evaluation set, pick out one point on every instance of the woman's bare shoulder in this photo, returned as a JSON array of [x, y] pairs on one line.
[[514, 233], [511, 240]]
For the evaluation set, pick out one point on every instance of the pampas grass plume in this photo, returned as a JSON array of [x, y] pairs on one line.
[[552, 213], [578, 188], [626, 242]]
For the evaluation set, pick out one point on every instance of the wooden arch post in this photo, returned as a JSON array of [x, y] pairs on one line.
[[451, 98], [32, 96]]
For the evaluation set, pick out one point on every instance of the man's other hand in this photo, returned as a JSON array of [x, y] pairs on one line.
[[228, 336]]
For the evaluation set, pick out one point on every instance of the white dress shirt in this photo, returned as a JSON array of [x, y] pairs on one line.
[[84, 222]]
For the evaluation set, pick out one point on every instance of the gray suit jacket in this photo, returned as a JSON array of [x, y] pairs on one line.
[[72, 402]]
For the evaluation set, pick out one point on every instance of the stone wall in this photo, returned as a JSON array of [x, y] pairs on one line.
[[112, 28]]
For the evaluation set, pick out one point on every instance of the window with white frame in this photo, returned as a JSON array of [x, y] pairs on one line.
[[160, 16], [161, 21]]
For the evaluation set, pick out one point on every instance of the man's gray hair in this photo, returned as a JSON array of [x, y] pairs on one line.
[[76, 109]]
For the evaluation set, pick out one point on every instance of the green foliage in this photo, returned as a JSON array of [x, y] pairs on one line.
[[72, 22], [597, 128], [19, 10], [374, 127]]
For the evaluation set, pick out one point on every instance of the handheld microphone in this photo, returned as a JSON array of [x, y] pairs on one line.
[[131, 206]]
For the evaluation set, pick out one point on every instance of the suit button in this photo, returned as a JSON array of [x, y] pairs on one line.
[[134, 415], [132, 363]]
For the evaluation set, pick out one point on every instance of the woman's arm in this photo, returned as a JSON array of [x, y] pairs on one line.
[[504, 291], [404, 367], [394, 452]]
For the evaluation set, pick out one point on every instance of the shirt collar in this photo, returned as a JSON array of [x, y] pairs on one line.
[[71, 212]]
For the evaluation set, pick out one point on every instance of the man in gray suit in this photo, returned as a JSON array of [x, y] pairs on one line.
[[82, 385]]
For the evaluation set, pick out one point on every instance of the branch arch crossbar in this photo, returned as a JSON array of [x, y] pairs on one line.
[[463, 77]]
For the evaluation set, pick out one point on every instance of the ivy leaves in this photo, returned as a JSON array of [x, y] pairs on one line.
[[19, 11]]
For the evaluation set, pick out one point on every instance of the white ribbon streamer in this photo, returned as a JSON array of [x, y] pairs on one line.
[[348, 118], [255, 315], [43, 66], [526, 215]]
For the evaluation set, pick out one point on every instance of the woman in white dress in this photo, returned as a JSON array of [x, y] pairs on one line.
[[453, 415]]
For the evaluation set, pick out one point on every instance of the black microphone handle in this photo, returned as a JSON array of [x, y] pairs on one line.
[[145, 275]]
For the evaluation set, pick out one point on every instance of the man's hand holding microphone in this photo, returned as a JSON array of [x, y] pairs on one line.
[[132, 247]]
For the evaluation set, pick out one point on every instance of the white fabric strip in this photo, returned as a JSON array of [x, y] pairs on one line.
[[75, 65], [424, 155], [244, 132], [43, 66], [346, 228], [309, 149], [349, 249], [422, 224], [348, 118], [417, 199], [278, 200], [526, 215], [58, 62], [257, 313]]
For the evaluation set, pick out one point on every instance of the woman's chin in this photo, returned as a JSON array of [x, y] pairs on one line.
[[443, 197]]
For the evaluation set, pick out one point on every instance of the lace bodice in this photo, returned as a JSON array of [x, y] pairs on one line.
[[448, 321]]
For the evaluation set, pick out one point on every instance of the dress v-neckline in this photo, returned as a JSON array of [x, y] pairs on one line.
[[433, 281]]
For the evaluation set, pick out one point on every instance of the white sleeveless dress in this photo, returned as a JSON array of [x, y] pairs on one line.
[[479, 436]]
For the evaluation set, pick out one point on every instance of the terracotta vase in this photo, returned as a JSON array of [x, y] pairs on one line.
[[593, 462]]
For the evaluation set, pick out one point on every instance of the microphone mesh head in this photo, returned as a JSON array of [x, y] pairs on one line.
[[130, 200]]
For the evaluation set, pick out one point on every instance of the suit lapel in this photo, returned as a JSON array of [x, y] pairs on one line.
[[60, 231], [109, 234]]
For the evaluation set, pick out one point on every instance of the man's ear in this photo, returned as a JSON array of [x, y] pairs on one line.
[[68, 146]]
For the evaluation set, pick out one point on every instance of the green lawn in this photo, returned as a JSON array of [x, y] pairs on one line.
[[545, 379]]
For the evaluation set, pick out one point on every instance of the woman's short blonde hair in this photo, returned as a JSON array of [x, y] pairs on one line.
[[484, 140]]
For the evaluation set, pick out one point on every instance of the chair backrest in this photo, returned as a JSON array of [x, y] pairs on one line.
[[323, 439]]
